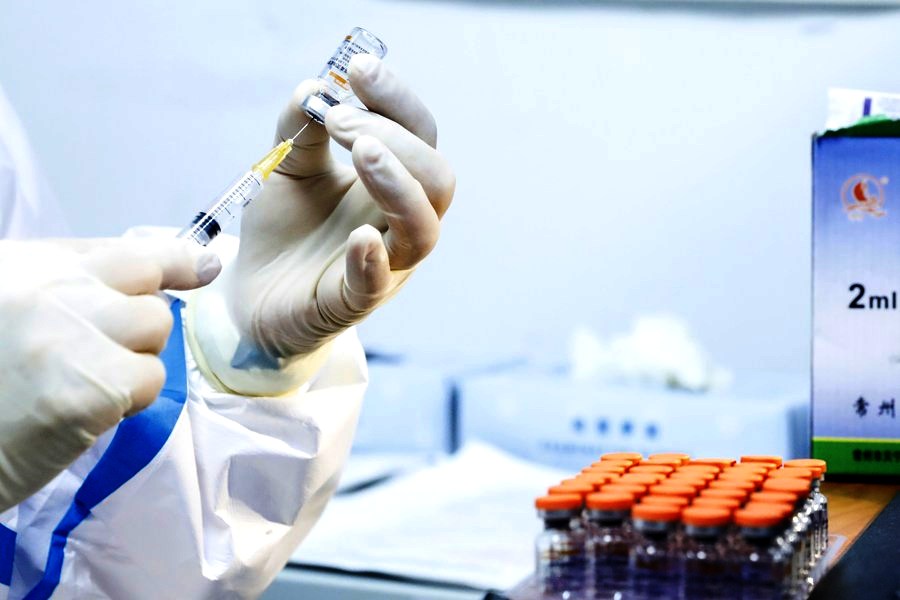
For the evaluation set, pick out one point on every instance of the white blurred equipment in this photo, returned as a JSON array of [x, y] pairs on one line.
[[555, 420]]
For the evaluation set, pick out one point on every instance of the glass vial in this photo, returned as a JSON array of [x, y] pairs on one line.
[[703, 554], [653, 560], [560, 552], [335, 76], [609, 543], [763, 560]]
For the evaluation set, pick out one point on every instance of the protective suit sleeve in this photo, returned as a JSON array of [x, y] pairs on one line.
[[237, 487], [217, 512]]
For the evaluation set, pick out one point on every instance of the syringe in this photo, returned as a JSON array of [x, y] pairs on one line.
[[209, 223]]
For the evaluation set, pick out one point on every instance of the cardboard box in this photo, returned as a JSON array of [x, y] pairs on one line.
[[856, 298]]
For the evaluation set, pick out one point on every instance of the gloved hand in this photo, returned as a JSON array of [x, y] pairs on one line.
[[325, 243], [79, 330]]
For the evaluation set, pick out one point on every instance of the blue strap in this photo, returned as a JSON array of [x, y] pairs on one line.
[[136, 441], [7, 553]]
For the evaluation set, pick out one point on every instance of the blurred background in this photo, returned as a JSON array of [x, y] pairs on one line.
[[614, 160]]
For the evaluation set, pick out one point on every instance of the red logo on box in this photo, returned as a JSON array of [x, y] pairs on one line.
[[862, 195]]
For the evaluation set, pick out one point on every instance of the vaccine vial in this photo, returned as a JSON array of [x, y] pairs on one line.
[[335, 76], [819, 500], [653, 559], [609, 543], [703, 553], [800, 533], [671, 527], [762, 560], [560, 550], [809, 508]]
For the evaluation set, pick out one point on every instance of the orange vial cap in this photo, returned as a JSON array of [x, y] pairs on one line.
[[641, 478], [787, 484], [601, 468], [609, 501], [670, 500], [681, 457], [691, 467], [739, 495], [558, 502], [755, 478], [716, 462], [581, 489], [692, 475], [634, 489], [791, 472], [596, 479], [729, 503], [762, 458], [630, 456], [758, 518], [705, 516], [661, 469], [698, 483], [785, 509], [733, 484], [666, 462], [808, 463], [760, 468], [775, 497], [673, 489], [656, 512], [618, 463]]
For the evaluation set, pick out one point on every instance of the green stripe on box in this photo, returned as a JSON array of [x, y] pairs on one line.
[[858, 456]]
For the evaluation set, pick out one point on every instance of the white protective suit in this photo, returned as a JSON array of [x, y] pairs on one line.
[[204, 494]]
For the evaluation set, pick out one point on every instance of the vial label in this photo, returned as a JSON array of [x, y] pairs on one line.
[[339, 64]]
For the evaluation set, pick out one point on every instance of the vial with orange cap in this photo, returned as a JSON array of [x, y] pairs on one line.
[[703, 553], [609, 542], [560, 556], [819, 502], [764, 561], [814, 507], [334, 80], [654, 554], [800, 534]]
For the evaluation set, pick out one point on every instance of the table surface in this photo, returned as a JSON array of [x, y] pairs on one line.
[[852, 506]]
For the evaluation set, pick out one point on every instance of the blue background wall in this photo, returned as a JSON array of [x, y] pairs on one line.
[[612, 159]]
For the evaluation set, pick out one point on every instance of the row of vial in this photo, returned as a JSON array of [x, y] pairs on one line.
[[671, 527]]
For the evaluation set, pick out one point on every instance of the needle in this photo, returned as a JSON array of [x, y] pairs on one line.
[[296, 135]]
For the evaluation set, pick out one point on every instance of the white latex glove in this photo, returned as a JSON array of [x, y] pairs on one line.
[[325, 243], [80, 326]]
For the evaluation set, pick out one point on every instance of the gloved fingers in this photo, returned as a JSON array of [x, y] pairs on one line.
[[413, 225], [141, 376], [367, 278], [351, 289], [311, 155], [383, 92], [139, 323], [144, 266], [346, 124]]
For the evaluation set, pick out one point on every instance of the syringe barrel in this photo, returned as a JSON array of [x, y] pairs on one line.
[[335, 76], [228, 205]]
